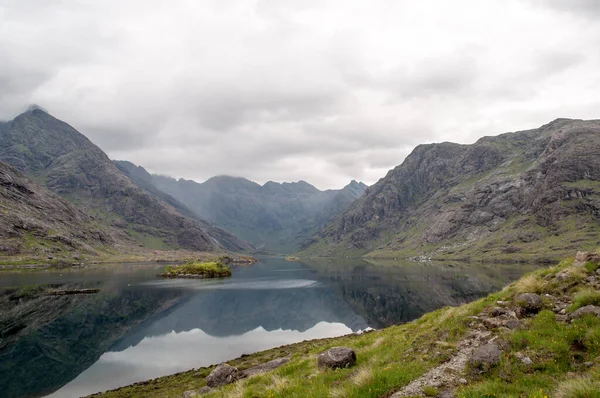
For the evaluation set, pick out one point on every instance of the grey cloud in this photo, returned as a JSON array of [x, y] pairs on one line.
[[324, 91], [586, 8]]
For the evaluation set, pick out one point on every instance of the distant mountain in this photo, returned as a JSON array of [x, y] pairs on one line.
[[274, 216], [529, 195], [38, 223], [58, 156], [142, 178]]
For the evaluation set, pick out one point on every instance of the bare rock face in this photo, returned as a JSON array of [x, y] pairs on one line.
[[337, 357], [486, 357], [587, 310], [222, 375], [531, 303]]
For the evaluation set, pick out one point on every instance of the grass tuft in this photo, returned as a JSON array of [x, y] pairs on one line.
[[585, 297], [430, 391], [582, 387]]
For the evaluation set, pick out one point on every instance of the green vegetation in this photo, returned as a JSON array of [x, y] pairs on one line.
[[563, 355], [585, 297], [209, 269]]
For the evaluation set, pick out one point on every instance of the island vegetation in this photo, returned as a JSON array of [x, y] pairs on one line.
[[197, 269], [538, 337]]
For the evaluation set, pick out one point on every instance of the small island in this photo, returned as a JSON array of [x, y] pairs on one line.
[[197, 269]]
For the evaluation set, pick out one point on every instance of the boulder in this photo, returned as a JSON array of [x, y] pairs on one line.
[[265, 367], [222, 375], [337, 357], [583, 257], [485, 357], [587, 310], [205, 390], [530, 302]]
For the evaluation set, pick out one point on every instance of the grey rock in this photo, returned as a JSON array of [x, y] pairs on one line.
[[530, 302], [462, 381], [498, 311], [190, 394], [222, 375], [205, 390], [485, 357], [589, 364], [526, 360], [265, 367], [337, 357], [587, 310]]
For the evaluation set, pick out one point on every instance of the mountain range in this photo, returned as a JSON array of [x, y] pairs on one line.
[[56, 155], [274, 216], [531, 195]]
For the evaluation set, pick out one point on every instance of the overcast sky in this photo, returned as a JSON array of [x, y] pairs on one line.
[[323, 91]]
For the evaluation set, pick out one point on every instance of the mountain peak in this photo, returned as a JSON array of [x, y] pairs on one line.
[[36, 107]]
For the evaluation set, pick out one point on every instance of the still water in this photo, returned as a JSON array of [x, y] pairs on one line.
[[139, 326]]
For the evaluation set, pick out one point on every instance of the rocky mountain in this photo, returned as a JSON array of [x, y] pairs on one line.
[[142, 178], [37, 222], [274, 216], [65, 161], [529, 195]]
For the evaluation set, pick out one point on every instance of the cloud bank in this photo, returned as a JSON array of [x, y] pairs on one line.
[[324, 91]]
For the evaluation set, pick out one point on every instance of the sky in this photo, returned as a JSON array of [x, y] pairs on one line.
[[324, 91]]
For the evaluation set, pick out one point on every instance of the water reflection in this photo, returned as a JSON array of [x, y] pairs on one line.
[[139, 327]]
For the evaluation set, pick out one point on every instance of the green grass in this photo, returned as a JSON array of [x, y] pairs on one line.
[[209, 269], [585, 297]]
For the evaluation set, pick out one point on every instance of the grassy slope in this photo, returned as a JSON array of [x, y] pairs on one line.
[[390, 358]]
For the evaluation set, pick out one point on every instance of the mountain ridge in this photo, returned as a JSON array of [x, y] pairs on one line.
[[497, 198], [69, 164], [277, 216]]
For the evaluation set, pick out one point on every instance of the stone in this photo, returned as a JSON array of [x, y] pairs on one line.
[[583, 257], [526, 360], [265, 367], [589, 364], [337, 357], [205, 390], [530, 302], [462, 381], [222, 375], [190, 394], [587, 310], [498, 311], [485, 357]]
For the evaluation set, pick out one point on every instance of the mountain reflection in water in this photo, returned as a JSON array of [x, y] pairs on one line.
[[140, 327]]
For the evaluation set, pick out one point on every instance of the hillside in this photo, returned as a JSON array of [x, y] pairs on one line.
[[58, 156], [276, 217], [529, 195], [538, 337], [36, 223]]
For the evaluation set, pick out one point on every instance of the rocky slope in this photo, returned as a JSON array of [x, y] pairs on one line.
[[277, 217], [64, 160], [529, 195], [35, 222]]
